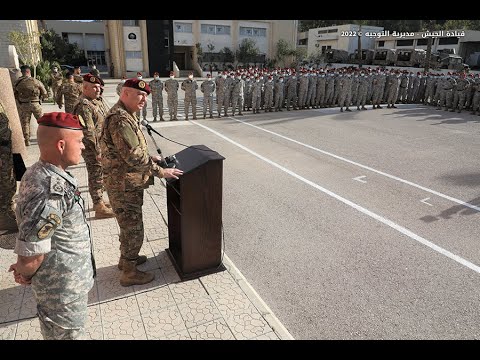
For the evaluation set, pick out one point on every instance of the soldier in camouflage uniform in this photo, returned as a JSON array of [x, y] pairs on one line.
[[53, 243], [93, 109], [279, 89], [120, 85], [8, 183], [128, 169], [171, 87], [70, 91], [476, 96], [28, 92], [157, 96], [238, 92], [57, 78], [208, 88], [77, 76], [257, 90], [268, 90], [459, 96], [190, 87]]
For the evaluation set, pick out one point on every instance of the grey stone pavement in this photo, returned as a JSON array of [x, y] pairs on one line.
[[220, 306]]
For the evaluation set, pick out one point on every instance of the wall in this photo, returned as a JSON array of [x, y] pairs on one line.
[[12, 25]]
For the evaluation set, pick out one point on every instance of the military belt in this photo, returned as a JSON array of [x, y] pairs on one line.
[[28, 102]]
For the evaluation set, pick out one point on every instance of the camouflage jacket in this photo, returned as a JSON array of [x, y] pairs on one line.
[[51, 221], [126, 162], [93, 113], [27, 89]]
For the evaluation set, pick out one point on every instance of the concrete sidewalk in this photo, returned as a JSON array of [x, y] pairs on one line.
[[217, 306]]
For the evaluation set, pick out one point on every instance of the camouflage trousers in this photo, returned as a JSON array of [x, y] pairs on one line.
[[191, 101], [25, 112], [172, 103], [63, 321], [127, 206], [157, 103], [8, 183], [208, 100], [95, 173]]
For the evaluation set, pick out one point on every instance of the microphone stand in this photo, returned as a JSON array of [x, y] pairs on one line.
[[162, 161]]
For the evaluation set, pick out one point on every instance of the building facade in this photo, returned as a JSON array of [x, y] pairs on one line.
[[135, 45], [341, 37], [24, 26], [88, 35], [466, 43]]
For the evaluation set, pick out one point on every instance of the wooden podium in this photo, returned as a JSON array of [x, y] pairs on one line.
[[194, 204]]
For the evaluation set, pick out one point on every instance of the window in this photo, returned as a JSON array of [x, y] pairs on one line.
[[381, 43], [130, 22], [249, 31], [133, 54], [405, 42], [448, 41], [332, 30], [96, 57], [322, 31], [166, 42], [183, 27], [421, 42], [302, 42], [214, 29], [132, 36]]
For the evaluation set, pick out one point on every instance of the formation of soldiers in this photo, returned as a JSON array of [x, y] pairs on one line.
[[254, 89]]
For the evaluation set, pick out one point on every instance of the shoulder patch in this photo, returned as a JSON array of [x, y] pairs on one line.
[[57, 185], [82, 122], [129, 136], [45, 231]]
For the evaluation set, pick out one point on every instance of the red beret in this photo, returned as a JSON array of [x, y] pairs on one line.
[[156, 73], [92, 79], [172, 72], [139, 73], [61, 120], [137, 84]]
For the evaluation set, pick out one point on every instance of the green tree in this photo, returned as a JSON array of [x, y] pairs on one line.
[[27, 46], [247, 51], [227, 55], [55, 48], [462, 24], [283, 51]]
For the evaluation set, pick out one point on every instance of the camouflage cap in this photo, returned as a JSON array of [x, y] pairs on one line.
[[61, 120], [137, 84]]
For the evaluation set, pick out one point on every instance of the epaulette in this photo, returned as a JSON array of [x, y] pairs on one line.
[[57, 185]]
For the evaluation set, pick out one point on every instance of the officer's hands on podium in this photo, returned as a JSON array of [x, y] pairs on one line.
[[172, 173]]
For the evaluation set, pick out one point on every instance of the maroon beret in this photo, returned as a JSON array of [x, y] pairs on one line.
[[61, 120], [137, 84], [92, 79]]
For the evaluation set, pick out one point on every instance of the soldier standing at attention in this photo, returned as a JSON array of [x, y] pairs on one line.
[[128, 169], [190, 87], [171, 87], [70, 91], [208, 88], [53, 244], [57, 79], [8, 182], [92, 108], [157, 97], [28, 92]]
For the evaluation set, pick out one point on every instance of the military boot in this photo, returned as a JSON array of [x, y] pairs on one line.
[[161, 118], [154, 118], [140, 260], [102, 211], [132, 276]]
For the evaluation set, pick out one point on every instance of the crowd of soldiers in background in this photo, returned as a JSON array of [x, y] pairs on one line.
[[254, 89], [345, 87]]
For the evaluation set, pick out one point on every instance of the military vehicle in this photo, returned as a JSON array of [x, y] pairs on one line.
[[367, 57], [336, 56], [385, 57], [410, 57]]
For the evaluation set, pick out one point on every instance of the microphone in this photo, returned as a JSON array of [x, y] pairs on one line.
[[164, 163]]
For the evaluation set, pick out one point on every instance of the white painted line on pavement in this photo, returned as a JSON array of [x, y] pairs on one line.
[[425, 201], [359, 178], [357, 207], [461, 202]]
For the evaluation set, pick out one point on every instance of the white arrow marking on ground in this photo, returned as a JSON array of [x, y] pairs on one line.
[[425, 201], [358, 178]]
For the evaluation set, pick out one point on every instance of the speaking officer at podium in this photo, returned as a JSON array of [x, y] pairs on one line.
[[128, 169]]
